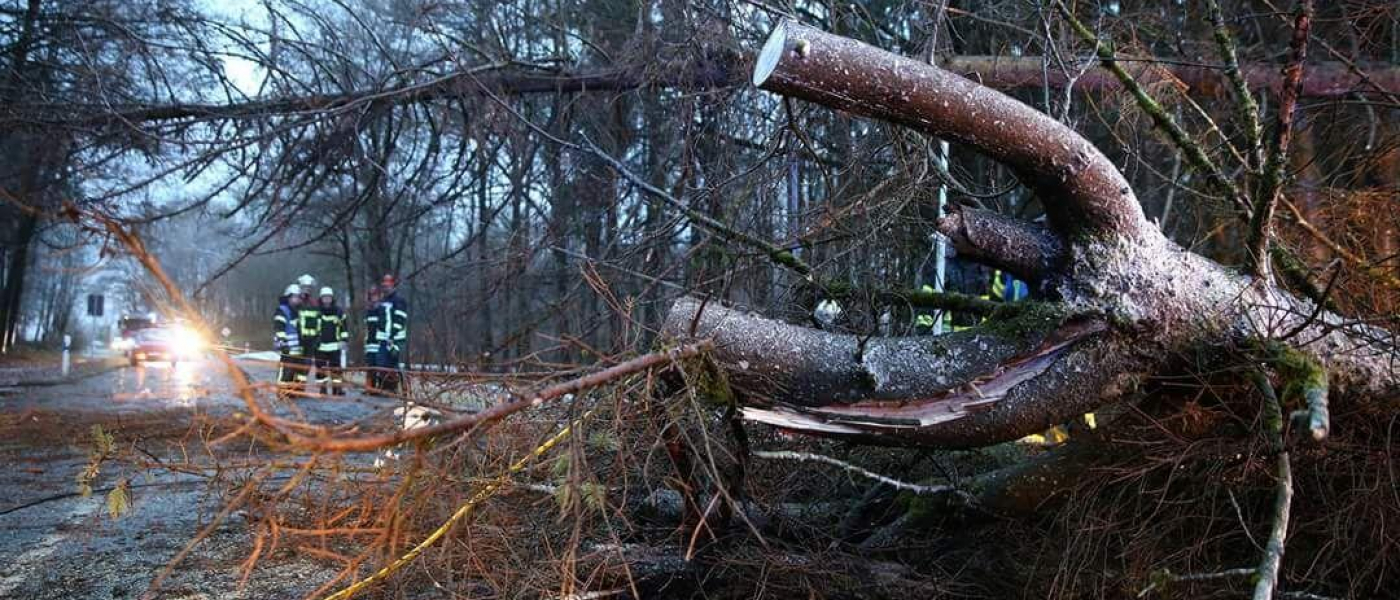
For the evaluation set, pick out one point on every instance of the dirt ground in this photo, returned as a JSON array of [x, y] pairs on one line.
[[55, 543]]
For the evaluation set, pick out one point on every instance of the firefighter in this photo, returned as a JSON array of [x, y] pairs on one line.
[[372, 378], [925, 320], [286, 338], [308, 323], [333, 336], [391, 335]]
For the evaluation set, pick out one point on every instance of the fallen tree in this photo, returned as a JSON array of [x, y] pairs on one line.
[[1124, 303], [1333, 80]]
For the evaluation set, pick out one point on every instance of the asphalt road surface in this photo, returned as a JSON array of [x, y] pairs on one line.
[[55, 543]]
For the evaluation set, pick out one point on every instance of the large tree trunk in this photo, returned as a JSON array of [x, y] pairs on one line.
[[1126, 303], [13, 292]]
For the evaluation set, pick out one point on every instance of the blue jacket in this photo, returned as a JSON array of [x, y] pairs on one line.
[[286, 338]]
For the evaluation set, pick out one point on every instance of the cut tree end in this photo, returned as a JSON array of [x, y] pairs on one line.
[[771, 54]]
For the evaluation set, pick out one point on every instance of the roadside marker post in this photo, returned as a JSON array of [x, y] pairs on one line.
[[67, 342]]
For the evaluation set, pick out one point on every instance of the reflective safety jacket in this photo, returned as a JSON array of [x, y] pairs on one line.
[[390, 327], [999, 286], [333, 330], [925, 320], [372, 318], [309, 324], [286, 338], [1007, 288]]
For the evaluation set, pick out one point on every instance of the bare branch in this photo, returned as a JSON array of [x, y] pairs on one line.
[[1195, 154], [1261, 228]]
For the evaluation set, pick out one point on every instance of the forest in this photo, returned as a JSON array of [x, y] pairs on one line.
[[738, 298]]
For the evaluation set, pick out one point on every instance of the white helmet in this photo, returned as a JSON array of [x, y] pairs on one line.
[[292, 290], [307, 281], [327, 291]]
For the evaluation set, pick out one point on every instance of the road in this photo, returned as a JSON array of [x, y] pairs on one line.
[[55, 543]]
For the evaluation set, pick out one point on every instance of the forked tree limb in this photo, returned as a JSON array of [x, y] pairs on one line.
[[1082, 191], [1006, 379]]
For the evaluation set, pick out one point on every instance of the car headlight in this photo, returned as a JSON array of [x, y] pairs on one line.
[[187, 341]]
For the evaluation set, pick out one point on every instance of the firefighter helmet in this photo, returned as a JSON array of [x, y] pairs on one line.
[[327, 291], [292, 290]]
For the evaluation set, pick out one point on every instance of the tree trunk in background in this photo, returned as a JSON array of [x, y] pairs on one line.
[[521, 250], [16, 270], [379, 247], [482, 273], [654, 255], [355, 307], [19, 245], [561, 223]]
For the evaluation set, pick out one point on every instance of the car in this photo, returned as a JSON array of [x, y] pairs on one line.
[[168, 343], [128, 327]]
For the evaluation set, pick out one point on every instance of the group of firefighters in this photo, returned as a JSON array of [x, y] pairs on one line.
[[309, 333]]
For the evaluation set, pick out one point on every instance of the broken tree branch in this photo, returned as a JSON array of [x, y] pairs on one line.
[[1305, 379], [327, 443], [970, 388], [1026, 250]]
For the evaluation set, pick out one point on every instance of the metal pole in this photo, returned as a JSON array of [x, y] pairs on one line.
[[67, 362], [940, 249]]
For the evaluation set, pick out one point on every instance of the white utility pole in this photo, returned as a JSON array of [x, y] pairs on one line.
[[940, 249]]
